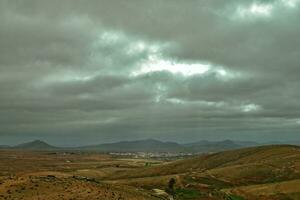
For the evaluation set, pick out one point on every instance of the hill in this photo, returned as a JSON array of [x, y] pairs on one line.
[[35, 145], [211, 146], [235, 174], [234, 164], [255, 173], [149, 145], [4, 146]]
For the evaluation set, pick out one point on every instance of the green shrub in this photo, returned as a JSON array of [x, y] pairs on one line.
[[187, 193]]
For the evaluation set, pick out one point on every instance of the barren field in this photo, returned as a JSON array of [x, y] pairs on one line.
[[57, 175], [269, 172]]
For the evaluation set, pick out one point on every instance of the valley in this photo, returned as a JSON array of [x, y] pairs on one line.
[[264, 172]]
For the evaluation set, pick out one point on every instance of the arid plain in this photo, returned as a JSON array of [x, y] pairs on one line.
[[266, 172]]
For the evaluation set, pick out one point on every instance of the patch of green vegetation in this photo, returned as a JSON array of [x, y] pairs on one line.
[[189, 179], [184, 193]]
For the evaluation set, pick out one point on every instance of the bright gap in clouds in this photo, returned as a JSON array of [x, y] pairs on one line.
[[250, 108], [263, 10], [290, 3], [152, 59], [258, 9], [155, 64], [255, 10]]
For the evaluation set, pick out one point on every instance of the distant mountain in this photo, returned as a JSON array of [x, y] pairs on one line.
[[149, 145], [4, 147], [247, 143], [35, 145], [297, 143], [204, 146]]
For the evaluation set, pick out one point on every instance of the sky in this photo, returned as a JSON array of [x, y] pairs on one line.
[[77, 72]]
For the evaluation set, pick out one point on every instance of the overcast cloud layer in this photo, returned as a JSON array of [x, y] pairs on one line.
[[86, 72]]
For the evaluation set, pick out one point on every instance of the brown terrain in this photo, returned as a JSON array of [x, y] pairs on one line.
[[267, 173]]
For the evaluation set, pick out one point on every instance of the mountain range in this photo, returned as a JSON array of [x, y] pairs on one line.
[[148, 145]]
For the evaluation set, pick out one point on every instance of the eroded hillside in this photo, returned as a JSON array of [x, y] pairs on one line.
[[268, 172]]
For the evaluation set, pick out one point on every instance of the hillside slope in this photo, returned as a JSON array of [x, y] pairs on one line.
[[274, 156], [236, 174]]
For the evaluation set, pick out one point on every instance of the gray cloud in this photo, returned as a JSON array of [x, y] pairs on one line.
[[109, 70]]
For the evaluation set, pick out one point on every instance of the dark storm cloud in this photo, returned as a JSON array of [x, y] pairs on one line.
[[111, 70]]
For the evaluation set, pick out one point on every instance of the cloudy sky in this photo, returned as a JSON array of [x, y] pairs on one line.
[[87, 72]]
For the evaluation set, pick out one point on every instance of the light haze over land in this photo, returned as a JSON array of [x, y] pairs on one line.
[[76, 72]]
